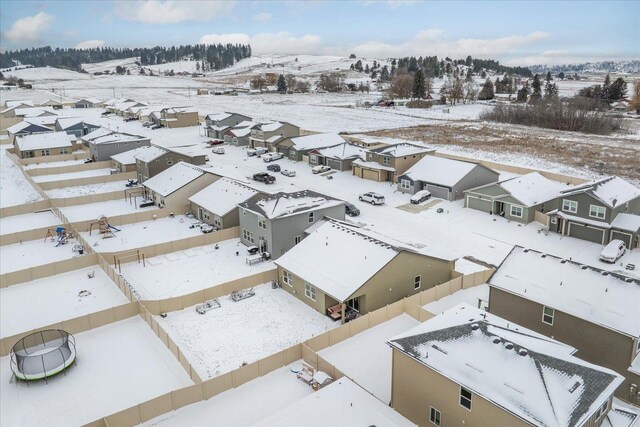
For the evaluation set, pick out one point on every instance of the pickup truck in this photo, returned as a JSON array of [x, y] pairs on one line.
[[264, 177], [269, 157], [256, 151]]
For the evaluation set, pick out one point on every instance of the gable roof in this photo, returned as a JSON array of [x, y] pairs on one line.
[[129, 157], [597, 296], [67, 122], [531, 376], [90, 100], [222, 196], [532, 189], [107, 136], [20, 126], [44, 140], [402, 149], [172, 179], [316, 141], [612, 191], [627, 222], [153, 152], [343, 151], [442, 171], [281, 204]]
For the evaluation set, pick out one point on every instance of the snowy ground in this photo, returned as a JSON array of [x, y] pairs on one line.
[[119, 365], [180, 273], [366, 358], [72, 175], [142, 234], [16, 223], [56, 298], [58, 164], [465, 266], [84, 190], [33, 253], [245, 331], [96, 210], [14, 187], [469, 296], [242, 406]]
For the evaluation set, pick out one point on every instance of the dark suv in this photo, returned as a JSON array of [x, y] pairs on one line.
[[274, 167], [264, 177], [351, 210]]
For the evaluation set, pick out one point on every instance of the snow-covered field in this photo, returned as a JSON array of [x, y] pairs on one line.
[[72, 175], [57, 164], [33, 253], [366, 357], [96, 210], [56, 298], [47, 74], [469, 296], [245, 331], [85, 190], [184, 272], [14, 187], [16, 223], [118, 365]]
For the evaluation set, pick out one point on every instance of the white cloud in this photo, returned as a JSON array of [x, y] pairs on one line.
[[90, 44], [172, 11], [271, 43], [29, 28], [262, 17], [225, 39]]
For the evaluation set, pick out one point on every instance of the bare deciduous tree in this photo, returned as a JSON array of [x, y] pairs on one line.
[[401, 86], [258, 82]]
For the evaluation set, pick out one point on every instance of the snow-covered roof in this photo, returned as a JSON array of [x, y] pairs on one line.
[[218, 128], [441, 171], [612, 191], [176, 110], [129, 157], [246, 123], [218, 116], [601, 297], [270, 127], [44, 140], [112, 138], [372, 165], [222, 196], [240, 132], [532, 189], [174, 178], [67, 122], [342, 400], [91, 100], [402, 149], [35, 111], [343, 151], [280, 205], [152, 153], [621, 415], [531, 376], [14, 104], [576, 218], [20, 126], [316, 141], [97, 134], [275, 138], [42, 121], [627, 222]]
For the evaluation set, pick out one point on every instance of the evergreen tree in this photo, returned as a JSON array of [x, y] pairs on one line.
[[352, 56], [282, 84], [384, 74], [548, 78], [418, 85], [550, 91], [468, 62], [358, 66], [366, 69], [536, 88], [561, 75], [522, 95], [618, 90], [487, 91], [606, 88], [483, 74]]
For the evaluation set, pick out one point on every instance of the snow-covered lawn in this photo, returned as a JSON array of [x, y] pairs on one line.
[[14, 187], [242, 406], [142, 234], [183, 272], [58, 164], [84, 190], [16, 223], [72, 175], [95, 210], [119, 365], [33, 253], [56, 298], [469, 296], [245, 331], [366, 358]]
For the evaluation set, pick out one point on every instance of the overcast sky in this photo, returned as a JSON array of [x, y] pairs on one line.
[[516, 33]]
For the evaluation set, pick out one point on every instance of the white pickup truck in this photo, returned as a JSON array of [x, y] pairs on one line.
[[256, 151], [270, 157]]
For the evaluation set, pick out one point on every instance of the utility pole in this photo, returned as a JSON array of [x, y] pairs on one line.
[[189, 91], [114, 93]]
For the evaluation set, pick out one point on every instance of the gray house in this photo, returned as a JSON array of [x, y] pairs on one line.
[[599, 211], [218, 124], [261, 133], [217, 204], [445, 178], [298, 148], [340, 157], [239, 135], [75, 126], [88, 103], [151, 162], [104, 143], [516, 199], [277, 222]]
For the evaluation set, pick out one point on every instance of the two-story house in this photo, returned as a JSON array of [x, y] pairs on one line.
[[178, 117], [339, 157], [589, 212], [217, 204], [218, 124], [151, 162], [298, 148], [469, 367], [239, 134], [387, 163], [595, 311], [174, 186], [275, 223], [104, 143], [75, 126], [276, 131]]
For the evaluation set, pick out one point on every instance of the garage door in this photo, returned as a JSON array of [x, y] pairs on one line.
[[621, 236], [479, 204], [334, 164], [439, 192], [583, 232], [369, 174]]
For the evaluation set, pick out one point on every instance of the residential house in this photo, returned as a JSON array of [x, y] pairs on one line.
[[44, 144], [593, 310], [11, 106], [589, 211], [151, 162], [75, 126], [104, 143], [339, 268], [88, 103], [339, 157], [120, 107], [217, 124], [25, 128], [469, 367], [126, 161], [174, 186], [30, 112], [298, 148], [276, 223], [144, 113], [517, 199], [217, 204], [389, 162], [261, 133], [178, 117], [56, 105], [445, 178], [239, 134]]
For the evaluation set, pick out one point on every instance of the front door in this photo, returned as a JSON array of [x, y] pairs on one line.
[[499, 208], [200, 214], [263, 245]]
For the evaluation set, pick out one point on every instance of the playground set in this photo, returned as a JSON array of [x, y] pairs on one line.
[[59, 235], [105, 229]]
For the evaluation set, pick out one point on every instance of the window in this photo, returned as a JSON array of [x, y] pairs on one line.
[[44, 152], [596, 211], [435, 416], [416, 282], [602, 410], [465, 398], [247, 235], [262, 223], [310, 216], [297, 240], [217, 222], [286, 278], [386, 161], [313, 159], [310, 291], [547, 315], [405, 184], [64, 151], [570, 206], [206, 216], [516, 211]]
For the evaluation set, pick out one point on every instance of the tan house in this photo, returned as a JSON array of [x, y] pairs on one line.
[[126, 161], [151, 162], [595, 311], [387, 163], [178, 117], [276, 131], [44, 144], [25, 128], [10, 108], [341, 270], [217, 204], [56, 105], [468, 367], [174, 186]]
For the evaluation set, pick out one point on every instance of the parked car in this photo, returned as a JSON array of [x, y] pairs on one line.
[[351, 209], [217, 150], [274, 168], [420, 197], [373, 198], [613, 251], [270, 157], [213, 142], [264, 177], [256, 151], [156, 126], [146, 124], [320, 169], [206, 228], [105, 113], [130, 119], [287, 172]]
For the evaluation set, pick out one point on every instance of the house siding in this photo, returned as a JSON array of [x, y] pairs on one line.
[[103, 152], [322, 301]]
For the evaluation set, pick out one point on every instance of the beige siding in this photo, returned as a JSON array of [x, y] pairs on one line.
[[322, 301], [181, 196]]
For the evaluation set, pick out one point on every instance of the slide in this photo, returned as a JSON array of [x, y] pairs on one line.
[[113, 228]]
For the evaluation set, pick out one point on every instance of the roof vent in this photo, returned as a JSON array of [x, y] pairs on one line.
[[475, 326], [508, 346], [523, 352], [544, 255], [604, 273], [564, 261], [525, 251], [574, 387], [584, 267], [496, 340]]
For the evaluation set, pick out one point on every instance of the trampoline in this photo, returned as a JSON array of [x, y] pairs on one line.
[[43, 354]]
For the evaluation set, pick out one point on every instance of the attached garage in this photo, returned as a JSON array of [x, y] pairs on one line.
[[479, 204], [369, 174], [585, 232], [334, 164], [437, 191], [627, 238]]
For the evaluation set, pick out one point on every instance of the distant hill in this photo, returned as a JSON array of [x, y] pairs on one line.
[[627, 66]]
